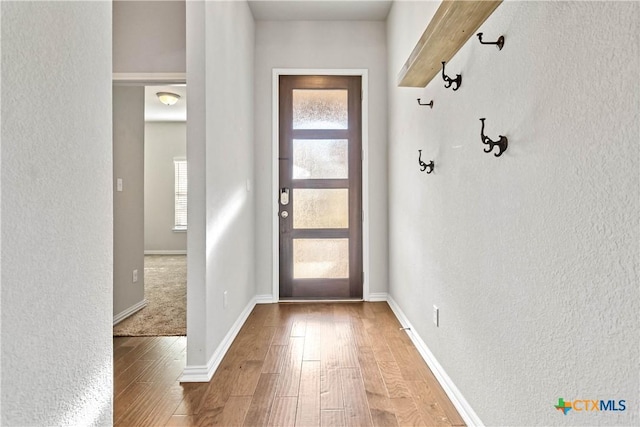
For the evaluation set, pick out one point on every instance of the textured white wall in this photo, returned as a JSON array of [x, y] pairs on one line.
[[57, 226], [128, 205], [196, 218], [149, 36], [220, 42], [1, 133], [163, 141], [306, 44], [532, 257]]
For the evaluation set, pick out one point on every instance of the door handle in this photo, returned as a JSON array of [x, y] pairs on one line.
[[284, 196]]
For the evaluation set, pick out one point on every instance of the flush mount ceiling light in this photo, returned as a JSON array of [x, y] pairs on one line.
[[168, 98]]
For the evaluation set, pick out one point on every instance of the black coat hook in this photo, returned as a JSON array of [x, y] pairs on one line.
[[425, 166], [499, 43], [449, 81], [502, 143], [428, 104]]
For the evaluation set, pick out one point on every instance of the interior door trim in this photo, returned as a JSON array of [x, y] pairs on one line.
[[364, 73]]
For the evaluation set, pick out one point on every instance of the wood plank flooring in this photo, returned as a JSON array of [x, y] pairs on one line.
[[321, 364]]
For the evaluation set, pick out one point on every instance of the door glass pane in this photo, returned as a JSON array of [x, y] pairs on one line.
[[320, 208], [320, 258], [320, 109], [320, 159]]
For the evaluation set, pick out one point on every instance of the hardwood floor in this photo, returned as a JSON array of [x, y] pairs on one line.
[[340, 364]]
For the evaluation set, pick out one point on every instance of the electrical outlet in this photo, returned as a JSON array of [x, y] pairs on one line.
[[436, 316], [225, 300], [135, 276]]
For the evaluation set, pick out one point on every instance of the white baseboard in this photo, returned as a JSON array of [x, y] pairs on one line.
[[377, 296], [129, 311], [264, 299], [466, 412], [204, 373], [167, 252]]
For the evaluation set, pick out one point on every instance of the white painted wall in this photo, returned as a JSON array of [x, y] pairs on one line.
[[128, 204], [57, 226], [196, 208], [1, 128], [337, 45], [220, 45], [163, 142], [149, 36], [532, 257]]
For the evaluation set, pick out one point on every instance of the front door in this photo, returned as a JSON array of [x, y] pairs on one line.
[[320, 187]]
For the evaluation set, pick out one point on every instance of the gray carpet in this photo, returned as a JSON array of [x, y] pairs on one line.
[[165, 288]]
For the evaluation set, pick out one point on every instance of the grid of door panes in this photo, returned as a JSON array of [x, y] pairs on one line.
[[320, 159]]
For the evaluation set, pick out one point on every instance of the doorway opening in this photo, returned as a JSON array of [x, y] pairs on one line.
[[163, 202]]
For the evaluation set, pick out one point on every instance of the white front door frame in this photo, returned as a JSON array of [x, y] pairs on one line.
[[277, 72]]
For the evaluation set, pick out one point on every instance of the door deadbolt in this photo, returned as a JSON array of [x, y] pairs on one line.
[[284, 214], [284, 196]]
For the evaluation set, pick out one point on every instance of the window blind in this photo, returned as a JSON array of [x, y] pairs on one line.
[[180, 167]]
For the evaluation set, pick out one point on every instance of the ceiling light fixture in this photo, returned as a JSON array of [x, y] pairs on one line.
[[168, 98]]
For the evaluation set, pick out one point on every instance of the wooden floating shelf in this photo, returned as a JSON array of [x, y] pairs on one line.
[[453, 24]]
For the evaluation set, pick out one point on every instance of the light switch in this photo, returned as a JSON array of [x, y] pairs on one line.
[[119, 184]]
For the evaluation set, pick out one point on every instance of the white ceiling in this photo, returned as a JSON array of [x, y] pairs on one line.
[[156, 111], [273, 10], [320, 10]]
